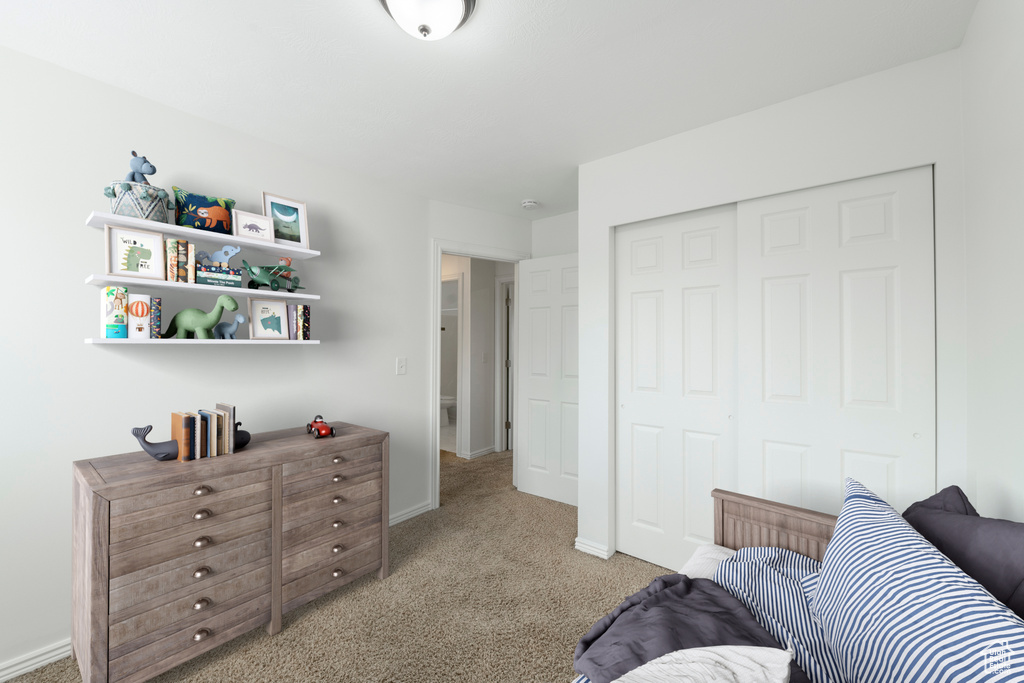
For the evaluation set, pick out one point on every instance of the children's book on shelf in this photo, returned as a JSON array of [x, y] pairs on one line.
[[155, 309], [213, 275], [172, 259], [182, 261], [114, 312], [138, 316], [191, 267], [292, 320], [302, 313]]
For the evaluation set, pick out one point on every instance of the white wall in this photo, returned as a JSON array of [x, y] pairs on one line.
[[901, 118], [993, 69], [64, 140], [556, 235]]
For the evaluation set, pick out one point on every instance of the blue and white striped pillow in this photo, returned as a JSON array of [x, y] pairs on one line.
[[896, 609], [770, 582]]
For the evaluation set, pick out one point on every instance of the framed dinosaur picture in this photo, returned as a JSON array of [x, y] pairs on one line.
[[289, 218], [268, 319], [252, 225], [135, 253]]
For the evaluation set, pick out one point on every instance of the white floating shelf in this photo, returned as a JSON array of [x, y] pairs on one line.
[[222, 342], [98, 219], [137, 282]]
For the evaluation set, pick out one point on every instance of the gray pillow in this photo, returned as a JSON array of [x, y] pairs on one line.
[[989, 550]]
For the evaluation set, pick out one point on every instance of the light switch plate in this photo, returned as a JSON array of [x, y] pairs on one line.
[[400, 366]]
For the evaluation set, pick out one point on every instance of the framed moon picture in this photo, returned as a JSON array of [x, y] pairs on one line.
[[289, 217], [252, 225], [268, 319]]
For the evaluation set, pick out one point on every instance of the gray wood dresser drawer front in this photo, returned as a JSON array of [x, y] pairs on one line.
[[171, 559]]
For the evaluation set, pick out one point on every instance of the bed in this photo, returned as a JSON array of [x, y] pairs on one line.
[[791, 595]]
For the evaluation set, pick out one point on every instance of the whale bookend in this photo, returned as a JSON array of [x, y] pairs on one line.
[[165, 450]]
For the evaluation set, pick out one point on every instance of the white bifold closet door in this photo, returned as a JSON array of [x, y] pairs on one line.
[[547, 388], [837, 350], [774, 347], [675, 380]]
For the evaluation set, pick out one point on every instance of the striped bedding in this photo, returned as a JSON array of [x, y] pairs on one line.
[[883, 606]]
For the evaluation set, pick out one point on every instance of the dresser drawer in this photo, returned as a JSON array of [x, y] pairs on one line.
[[183, 607], [174, 515], [329, 498], [197, 490], [327, 547], [297, 468], [326, 576], [338, 522], [347, 474], [187, 544], [181, 643], [197, 522], [205, 568]]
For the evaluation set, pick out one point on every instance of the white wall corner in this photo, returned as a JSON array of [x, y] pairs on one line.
[[596, 549], [34, 660]]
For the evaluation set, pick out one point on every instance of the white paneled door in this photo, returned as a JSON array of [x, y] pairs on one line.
[[675, 380], [547, 401], [837, 341]]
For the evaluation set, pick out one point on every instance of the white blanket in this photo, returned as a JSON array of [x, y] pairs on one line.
[[720, 664]]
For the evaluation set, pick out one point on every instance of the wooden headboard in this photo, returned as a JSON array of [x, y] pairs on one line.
[[744, 521]]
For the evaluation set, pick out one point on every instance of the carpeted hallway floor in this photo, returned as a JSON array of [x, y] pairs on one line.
[[488, 586]]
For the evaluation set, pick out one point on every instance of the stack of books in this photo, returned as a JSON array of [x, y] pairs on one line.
[[181, 261], [125, 315], [206, 433], [298, 322]]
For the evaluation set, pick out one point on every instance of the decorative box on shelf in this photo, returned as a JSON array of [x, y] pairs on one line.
[[213, 275]]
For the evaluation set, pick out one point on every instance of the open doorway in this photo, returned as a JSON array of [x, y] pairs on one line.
[[471, 407]]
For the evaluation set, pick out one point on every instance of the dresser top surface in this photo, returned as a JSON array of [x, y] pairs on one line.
[[129, 473]]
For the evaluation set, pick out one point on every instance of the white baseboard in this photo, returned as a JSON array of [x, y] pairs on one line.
[[33, 660], [591, 548], [414, 511], [478, 453]]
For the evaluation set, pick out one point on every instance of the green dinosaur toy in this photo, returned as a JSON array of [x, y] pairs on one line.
[[192, 321]]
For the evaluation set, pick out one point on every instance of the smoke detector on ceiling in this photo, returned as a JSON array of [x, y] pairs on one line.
[[530, 204]]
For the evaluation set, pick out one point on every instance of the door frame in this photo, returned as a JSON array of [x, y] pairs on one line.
[[503, 439], [455, 248]]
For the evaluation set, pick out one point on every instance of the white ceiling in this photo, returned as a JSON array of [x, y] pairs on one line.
[[504, 109]]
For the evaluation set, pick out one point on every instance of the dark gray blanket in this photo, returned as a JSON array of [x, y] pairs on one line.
[[675, 612]]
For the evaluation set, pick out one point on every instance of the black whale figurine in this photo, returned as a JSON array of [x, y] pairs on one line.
[[165, 450]]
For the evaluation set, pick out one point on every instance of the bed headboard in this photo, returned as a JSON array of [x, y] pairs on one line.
[[744, 521]]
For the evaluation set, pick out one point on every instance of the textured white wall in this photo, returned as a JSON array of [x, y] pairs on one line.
[[64, 138], [993, 69], [901, 118], [556, 235]]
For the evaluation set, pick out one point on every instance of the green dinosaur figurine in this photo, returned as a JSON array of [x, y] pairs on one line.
[[192, 321]]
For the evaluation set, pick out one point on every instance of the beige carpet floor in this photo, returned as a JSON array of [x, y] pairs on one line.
[[488, 587]]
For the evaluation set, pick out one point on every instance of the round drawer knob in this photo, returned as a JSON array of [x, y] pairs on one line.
[[202, 514], [201, 634], [201, 604], [201, 572], [338, 460], [337, 524], [338, 499], [338, 573], [338, 477], [201, 491], [338, 548], [201, 542]]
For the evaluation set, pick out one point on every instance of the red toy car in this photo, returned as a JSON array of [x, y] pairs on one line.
[[321, 427]]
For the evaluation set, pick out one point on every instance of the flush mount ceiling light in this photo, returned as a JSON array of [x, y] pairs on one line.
[[429, 19]]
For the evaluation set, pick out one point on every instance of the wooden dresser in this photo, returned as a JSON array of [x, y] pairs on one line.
[[171, 559]]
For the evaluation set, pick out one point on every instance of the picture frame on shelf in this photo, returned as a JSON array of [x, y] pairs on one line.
[[252, 226], [289, 218], [268, 319], [135, 253]]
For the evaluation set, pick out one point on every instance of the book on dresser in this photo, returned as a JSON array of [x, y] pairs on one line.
[[170, 560]]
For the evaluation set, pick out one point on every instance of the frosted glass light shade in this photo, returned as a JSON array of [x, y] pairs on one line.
[[429, 19]]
